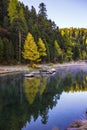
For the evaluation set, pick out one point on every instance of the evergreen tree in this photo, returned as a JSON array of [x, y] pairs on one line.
[[42, 10], [33, 23], [6, 22], [9, 50], [3, 10], [26, 14], [30, 49], [76, 52]]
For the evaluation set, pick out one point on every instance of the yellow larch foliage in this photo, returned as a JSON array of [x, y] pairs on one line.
[[86, 41], [30, 49], [41, 47], [62, 33]]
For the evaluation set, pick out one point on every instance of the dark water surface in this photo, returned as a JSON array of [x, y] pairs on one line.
[[43, 103]]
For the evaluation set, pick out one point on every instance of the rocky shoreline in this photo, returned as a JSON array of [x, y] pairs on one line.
[[22, 68], [78, 125], [12, 69]]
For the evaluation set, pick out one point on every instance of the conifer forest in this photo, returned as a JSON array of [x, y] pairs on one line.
[[28, 36]]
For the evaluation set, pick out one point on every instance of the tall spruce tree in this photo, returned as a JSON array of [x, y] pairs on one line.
[[3, 11], [42, 10]]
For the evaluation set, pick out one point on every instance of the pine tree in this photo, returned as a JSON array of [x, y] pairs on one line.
[[41, 47], [30, 49], [3, 10], [42, 10], [9, 50]]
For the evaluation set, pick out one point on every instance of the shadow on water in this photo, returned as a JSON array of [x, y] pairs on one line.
[[22, 99]]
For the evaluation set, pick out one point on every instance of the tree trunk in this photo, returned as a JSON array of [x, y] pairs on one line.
[[19, 46]]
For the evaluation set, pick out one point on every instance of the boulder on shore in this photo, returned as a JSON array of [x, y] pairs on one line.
[[78, 125]]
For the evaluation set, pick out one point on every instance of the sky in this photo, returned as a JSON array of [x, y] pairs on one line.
[[65, 13]]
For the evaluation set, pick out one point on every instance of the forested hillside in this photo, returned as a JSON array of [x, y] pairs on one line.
[[19, 25]]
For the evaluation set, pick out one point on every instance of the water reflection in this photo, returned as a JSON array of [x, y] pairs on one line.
[[34, 86], [21, 99], [11, 117]]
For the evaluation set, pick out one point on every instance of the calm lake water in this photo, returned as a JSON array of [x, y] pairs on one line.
[[43, 103]]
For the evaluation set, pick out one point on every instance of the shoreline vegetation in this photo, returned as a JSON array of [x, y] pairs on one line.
[[5, 69]]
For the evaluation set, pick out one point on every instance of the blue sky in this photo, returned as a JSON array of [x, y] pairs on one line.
[[65, 13]]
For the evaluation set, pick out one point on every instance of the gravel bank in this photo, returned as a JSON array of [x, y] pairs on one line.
[[21, 68]]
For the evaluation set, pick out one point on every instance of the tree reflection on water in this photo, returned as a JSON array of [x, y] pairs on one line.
[[21, 98]]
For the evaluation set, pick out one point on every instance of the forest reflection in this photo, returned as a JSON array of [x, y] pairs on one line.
[[21, 98]]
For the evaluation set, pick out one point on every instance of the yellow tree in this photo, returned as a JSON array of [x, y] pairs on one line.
[[30, 49], [58, 51], [86, 41], [41, 47]]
